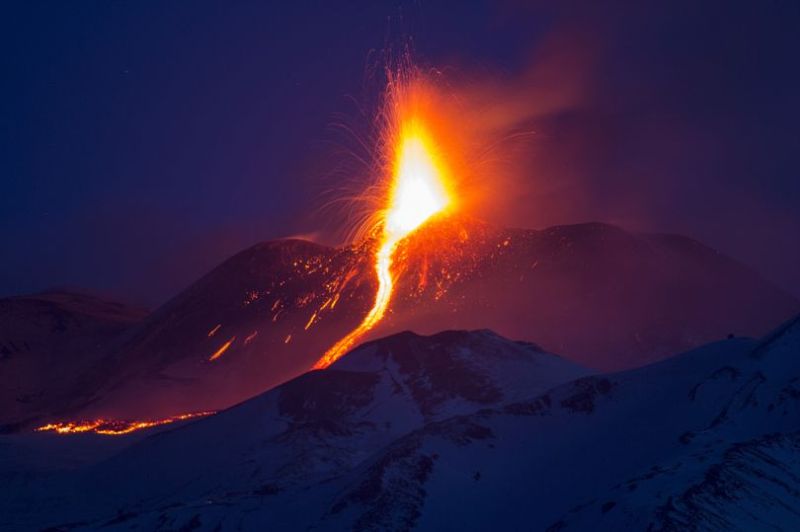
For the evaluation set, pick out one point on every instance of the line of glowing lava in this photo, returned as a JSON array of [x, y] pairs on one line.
[[109, 427], [417, 192]]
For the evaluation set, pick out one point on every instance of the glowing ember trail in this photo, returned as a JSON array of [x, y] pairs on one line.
[[221, 351], [109, 427], [417, 192]]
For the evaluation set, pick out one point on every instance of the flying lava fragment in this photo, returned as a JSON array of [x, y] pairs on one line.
[[418, 190], [221, 351]]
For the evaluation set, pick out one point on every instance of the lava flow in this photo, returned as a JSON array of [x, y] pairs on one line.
[[109, 427], [417, 192]]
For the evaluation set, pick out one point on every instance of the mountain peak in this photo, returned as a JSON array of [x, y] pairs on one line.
[[408, 347], [477, 366]]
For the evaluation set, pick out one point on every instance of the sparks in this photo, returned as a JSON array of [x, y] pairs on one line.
[[417, 192]]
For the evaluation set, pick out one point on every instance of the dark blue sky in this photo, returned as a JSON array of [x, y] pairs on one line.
[[144, 142]]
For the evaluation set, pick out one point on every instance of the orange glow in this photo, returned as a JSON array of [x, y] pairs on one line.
[[418, 190], [221, 351], [109, 427]]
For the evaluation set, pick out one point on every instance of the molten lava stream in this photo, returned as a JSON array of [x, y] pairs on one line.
[[417, 192], [109, 427]]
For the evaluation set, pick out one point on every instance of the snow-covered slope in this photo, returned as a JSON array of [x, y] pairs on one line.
[[316, 427], [739, 471], [706, 440]]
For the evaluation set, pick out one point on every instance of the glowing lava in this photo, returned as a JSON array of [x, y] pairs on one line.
[[221, 351], [418, 191], [109, 427]]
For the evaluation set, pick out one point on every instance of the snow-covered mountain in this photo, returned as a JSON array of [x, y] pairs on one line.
[[439, 433], [320, 425], [47, 340], [704, 441], [266, 314]]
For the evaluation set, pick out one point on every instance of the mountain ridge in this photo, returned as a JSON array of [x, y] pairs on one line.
[[268, 312]]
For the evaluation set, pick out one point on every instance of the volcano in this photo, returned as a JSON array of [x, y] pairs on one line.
[[603, 297]]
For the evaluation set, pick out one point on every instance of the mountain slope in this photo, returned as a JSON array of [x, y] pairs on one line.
[[47, 340], [324, 423], [704, 441], [601, 296], [245, 315], [745, 476]]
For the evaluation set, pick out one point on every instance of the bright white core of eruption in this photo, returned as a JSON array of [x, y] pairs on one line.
[[418, 194]]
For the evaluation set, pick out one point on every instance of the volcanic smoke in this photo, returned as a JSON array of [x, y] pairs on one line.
[[417, 192]]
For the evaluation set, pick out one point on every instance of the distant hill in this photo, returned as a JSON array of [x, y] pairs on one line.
[[48, 340]]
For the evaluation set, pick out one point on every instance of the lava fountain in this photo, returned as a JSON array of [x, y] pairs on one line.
[[418, 190]]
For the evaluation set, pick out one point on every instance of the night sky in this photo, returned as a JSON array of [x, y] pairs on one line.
[[145, 142]]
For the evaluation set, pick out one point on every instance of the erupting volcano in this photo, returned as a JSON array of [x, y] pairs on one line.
[[423, 259], [417, 192], [375, 271]]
